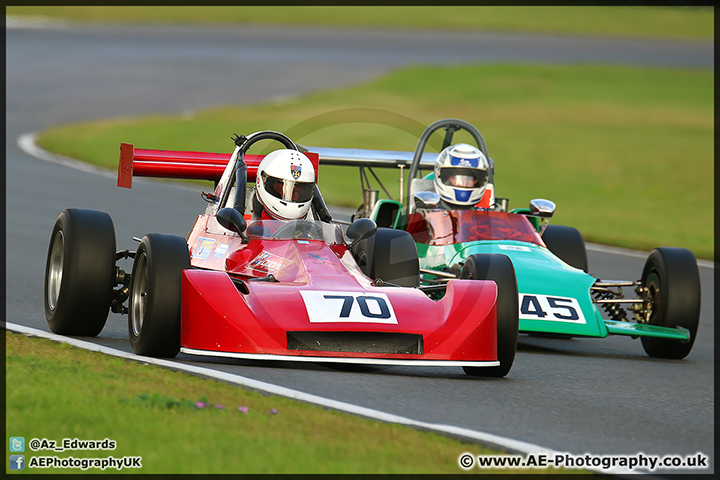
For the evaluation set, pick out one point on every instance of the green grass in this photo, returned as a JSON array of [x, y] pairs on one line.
[[654, 22], [150, 412], [626, 153]]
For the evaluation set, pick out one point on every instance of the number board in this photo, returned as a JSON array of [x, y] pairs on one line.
[[331, 307], [552, 308]]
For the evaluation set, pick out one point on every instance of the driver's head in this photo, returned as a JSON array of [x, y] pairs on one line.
[[461, 175], [285, 184]]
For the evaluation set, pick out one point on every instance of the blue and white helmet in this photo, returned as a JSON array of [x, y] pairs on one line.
[[461, 175]]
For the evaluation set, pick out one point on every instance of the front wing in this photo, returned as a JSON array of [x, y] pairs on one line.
[[374, 326]]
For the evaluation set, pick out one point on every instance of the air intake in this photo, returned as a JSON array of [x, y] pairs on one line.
[[356, 342]]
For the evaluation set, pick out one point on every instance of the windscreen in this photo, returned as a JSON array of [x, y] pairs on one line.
[[445, 227], [330, 233]]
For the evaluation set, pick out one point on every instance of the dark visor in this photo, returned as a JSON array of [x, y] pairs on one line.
[[447, 173], [288, 190]]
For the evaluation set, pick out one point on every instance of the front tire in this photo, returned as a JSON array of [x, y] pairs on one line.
[[390, 255], [671, 275], [567, 244], [498, 268], [80, 272], [154, 314]]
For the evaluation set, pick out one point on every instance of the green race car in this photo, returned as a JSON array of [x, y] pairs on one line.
[[556, 295]]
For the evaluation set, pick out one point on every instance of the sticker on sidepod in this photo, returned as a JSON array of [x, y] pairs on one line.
[[269, 262], [203, 247], [514, 248], [548, 307], [354, 307], [220, 250], [317, 258]]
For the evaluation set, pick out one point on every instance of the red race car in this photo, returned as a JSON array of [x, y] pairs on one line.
[[254, 287]]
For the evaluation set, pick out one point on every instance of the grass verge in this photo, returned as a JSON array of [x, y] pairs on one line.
[[653, 22], [626, 153], [153, 413]]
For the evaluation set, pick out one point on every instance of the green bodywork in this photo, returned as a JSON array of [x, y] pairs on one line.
[[541, 277]]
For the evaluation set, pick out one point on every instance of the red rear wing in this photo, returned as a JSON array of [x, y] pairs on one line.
[[141, 162]]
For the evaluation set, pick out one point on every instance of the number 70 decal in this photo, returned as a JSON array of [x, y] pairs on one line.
[[328, 307], [546, 307]]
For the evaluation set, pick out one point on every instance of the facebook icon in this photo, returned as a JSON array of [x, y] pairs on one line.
[[17, 462]]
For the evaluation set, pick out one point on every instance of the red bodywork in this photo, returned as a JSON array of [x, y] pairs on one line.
[[321, 306]]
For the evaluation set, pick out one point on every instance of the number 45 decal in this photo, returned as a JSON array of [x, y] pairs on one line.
[[329, 307], [555, 309]]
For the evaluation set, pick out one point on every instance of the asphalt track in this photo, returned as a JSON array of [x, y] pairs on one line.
[[599, 396]]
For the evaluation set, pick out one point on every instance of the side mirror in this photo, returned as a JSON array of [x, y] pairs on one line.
[[232, 220], [426, 199], [361, 229], [539, 207]]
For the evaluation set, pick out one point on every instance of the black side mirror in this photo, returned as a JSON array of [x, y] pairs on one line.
[[361, 229], [233, 221]]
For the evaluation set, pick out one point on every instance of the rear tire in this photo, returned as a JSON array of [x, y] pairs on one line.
[[390, 255], [80, 272], [672, 276], [567, 244], [498, 268], [154, 313]]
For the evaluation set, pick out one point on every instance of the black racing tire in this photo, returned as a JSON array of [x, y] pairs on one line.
[[80, 272], [672, 276], [499, 268], [567, 244], [390, 255], [154, 313]]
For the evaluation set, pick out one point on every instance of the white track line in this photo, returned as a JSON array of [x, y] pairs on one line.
[[35, 22], [635, 253], [503, 443], [28, 144]]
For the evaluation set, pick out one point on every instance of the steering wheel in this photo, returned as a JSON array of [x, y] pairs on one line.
[[300, 229]]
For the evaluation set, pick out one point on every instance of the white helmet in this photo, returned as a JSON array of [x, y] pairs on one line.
[[461, 174], [285, 184]]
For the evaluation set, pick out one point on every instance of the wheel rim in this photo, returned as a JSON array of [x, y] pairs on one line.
[[55, 269], [139, 294], [653, 285]]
